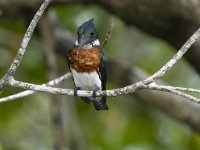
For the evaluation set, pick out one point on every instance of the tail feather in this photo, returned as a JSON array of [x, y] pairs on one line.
[[100, 104]]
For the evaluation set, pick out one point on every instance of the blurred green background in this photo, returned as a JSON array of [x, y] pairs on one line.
[[25, 124]]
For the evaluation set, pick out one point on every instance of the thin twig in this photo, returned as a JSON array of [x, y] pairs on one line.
[[29, 92], [108, 36], [165, 89], [11, 71], [180, 89]]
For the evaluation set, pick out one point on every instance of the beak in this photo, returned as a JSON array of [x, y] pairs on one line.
[[82, 41]]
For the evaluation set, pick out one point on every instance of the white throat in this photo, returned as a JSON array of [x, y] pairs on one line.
[[90, 45]]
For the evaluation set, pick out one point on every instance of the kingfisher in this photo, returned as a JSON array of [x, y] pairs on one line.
[[87, 64]]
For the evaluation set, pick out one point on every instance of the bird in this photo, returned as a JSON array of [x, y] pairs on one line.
[[87, 64]]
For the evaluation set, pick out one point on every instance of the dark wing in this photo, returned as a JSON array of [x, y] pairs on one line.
[[103, 73], [103, 70]]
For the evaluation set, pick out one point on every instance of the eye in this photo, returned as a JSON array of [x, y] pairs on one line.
[[92, 33]]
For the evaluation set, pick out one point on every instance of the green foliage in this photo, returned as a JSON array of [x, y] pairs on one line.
[[25, 124]]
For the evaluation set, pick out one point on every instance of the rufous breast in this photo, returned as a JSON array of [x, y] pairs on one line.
[[87, 60]]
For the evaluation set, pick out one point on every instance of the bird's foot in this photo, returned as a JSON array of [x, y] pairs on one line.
[[76, 90], [94, 94], [85, 99]]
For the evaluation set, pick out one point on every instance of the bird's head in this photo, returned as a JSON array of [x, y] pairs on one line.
[[86, 34]]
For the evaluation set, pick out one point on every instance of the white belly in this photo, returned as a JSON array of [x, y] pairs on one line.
[[86, 81]]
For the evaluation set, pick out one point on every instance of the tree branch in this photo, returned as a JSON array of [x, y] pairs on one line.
[[125, 90], [174, 59], [170, 90], [82, 93], [12, 69], [114, 92], [180, 89], [171, 104], [29, 92], [108, 36]]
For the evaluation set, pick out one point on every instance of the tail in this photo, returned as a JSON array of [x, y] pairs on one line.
[[100, 104]]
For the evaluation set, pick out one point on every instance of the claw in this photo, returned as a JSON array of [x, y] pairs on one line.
[[94, 94]]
